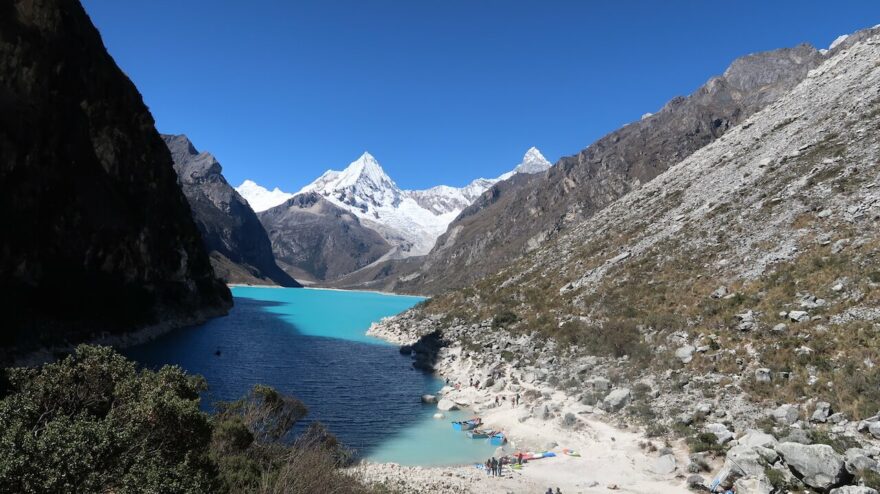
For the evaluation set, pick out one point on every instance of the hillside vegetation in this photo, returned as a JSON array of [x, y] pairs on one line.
[[93, 423]]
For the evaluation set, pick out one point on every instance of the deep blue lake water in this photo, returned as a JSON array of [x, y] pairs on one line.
[[312, 344]]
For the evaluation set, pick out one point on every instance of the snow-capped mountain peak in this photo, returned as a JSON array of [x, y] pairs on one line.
[[533, 162], [261, 198], [364, 171]]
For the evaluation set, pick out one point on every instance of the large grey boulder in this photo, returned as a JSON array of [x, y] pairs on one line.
[[857, 460], [874, 429], [752, 485], [616, 399], [816, 464], [821, 413], [853, 489], [786, 414], [753, 438], [721, 433], [685, 353], [742, 462]]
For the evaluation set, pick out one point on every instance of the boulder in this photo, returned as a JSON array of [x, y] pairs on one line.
[[429, 399], [439, 415], [763, 375], [779, 328], [853, 489], [696, 481], [874, 429], [685, 353], [445, 404], [616, 399], [799, 436], [857, 459], [753, 438], [720, 292], [798, 315], [821, 413], [741, 461], [752, 485], [722, 435], [817, 465], [664, 465], [786, 414]]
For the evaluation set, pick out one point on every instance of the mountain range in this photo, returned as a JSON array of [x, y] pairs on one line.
[[408, 222]]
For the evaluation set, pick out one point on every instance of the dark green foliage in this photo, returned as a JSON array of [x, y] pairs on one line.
[[93, 423], [503, 319], [870, 478], [704, 441]]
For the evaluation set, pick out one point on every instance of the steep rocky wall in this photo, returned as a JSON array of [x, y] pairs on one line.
[[97, 236], [239, 247]]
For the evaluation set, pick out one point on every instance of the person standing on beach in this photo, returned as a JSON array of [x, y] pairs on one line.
[[489, 467]]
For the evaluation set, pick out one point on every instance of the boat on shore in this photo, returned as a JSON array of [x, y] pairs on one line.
[[498, 439], [480, 433], [466, 425]]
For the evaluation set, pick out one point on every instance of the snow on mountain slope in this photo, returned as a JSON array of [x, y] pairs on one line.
[[260, 198], [369, 193], [533, 162], [410, 220]]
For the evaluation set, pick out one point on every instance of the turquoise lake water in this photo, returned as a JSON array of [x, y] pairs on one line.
[[312, 344]]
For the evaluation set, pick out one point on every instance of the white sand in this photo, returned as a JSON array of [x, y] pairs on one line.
[[611, 458]]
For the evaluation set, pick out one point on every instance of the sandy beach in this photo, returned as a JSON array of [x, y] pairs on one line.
[[610, 458]]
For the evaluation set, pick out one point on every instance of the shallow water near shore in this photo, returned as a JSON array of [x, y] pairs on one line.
[[312, 344]]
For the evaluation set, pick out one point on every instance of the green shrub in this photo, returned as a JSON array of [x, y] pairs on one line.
[[92, 422]]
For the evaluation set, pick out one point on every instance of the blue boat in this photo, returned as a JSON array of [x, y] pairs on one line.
[[466, 425], [497, 439]]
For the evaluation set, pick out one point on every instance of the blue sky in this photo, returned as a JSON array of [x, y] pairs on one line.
[[438, 91]]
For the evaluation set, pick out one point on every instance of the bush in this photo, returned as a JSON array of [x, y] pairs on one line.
[[93, 423], [704, 441]]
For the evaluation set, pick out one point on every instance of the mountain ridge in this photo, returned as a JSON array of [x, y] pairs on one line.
[[239, 247]]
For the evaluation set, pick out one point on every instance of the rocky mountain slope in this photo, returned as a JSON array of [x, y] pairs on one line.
[[98, 237], [737, 289], [316, 240], [239, 247], [514, 218]]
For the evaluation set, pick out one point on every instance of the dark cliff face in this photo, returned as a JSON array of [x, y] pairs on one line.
[[96, 234], [312, 237], [516, 216], [238, 244]]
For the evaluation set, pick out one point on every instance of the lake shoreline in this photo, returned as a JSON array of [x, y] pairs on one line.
[[610, 456]]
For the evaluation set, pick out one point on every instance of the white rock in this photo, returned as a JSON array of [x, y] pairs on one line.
[[445, 404], [664, 465], [817, 464], [721, 433], [798, 315]]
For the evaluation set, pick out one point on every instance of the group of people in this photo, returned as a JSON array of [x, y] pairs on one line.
[[550, 491], [494, 466]]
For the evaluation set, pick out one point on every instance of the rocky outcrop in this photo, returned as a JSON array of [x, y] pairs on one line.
[[314, 239], [239, 247], [516, 216], [816, 464], [97, 236]]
